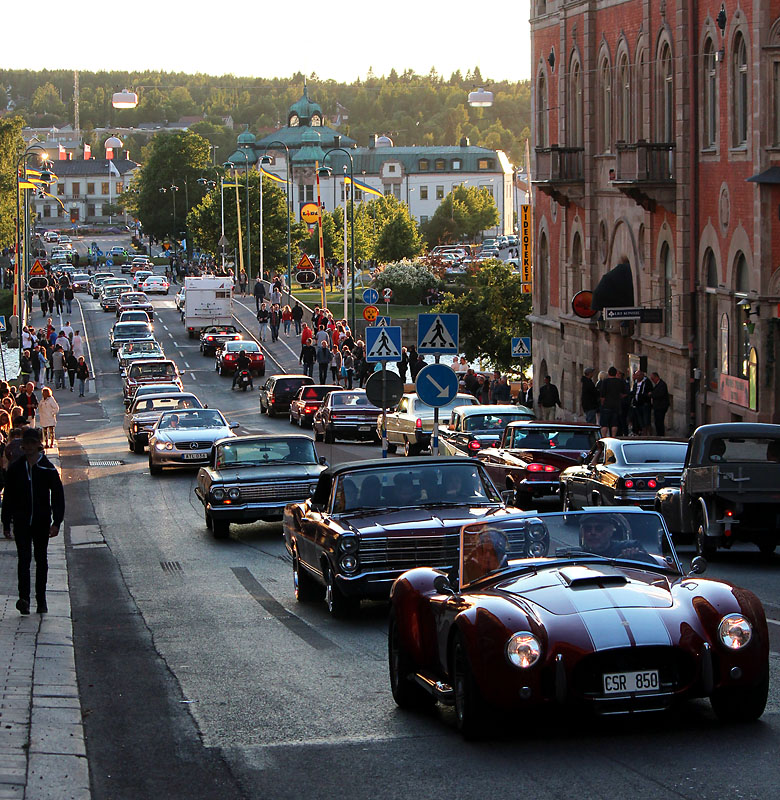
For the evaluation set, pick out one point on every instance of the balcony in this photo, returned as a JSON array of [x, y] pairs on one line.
[[645, 173], [560, 173]]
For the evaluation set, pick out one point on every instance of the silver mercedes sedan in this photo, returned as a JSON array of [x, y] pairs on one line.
[[183, 438]]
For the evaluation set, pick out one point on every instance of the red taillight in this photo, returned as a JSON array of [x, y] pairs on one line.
[[230, 357], [550, 468], [534, 468], [237, 336], [309, 409], [729, 513], [270, 398], [629, 484], [473, 445], [651, 484], [209, 338], [418, 424]]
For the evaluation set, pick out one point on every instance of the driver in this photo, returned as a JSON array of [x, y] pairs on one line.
[[599, 535], [174, 422], [487, 554], [242, 364]]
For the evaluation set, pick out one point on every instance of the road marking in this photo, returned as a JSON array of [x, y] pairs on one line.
[[192, 375], [186, 364], [99, 419], [71, 414], [770, 621], [171, 335], [165, 326]]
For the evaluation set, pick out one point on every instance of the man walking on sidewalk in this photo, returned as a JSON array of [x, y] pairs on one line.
[[34, 501], [259, 292]]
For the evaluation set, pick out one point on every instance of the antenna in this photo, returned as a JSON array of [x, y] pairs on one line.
[[76, 124]]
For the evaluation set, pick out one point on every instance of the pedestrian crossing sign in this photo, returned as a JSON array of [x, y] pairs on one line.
[[521, 346], [382, 322], [37, 270], [383, 343], [437, 333], [2, 324]]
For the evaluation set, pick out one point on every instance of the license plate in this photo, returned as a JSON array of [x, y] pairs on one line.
[[364, 427], [631, 682], [193, 456]]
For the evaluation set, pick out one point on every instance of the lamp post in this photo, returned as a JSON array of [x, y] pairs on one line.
[[113, 143], [209, 185], [266, 159], [326, 171], [173, 189], [22, 270], [231, 165]]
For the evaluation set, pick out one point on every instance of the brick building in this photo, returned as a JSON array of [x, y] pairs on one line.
[[657, 144]]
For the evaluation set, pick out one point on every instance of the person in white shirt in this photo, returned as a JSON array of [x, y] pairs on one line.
[[63, 341], [77, 344], [27, 339], [68, 331], [47, 416]]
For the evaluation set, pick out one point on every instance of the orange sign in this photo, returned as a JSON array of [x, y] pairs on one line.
[[310, 212], [734, 390], [37, 270], [370, 313], [526, 245], [305, 263]]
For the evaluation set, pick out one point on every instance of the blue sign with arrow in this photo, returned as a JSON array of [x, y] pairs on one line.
[[436, 384], [2, 324], [370, 296], [383, 343], [437, 333]]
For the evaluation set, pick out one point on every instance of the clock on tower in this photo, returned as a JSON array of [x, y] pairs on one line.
[[294, 121], [316, 120]]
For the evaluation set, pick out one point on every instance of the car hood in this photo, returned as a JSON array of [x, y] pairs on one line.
[[271, 472], [406, 520], [590, 590], [190, 434]]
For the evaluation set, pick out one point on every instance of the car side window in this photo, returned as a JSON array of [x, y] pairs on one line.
[[610, 457], [596, 455]]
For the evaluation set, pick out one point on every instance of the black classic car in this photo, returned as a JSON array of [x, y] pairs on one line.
[[278, 391], [368, 521], [251, 478], [307, 401], [346, 414], [214, 336], [623, 472], [730, 488], [591, 610], [532, 455]]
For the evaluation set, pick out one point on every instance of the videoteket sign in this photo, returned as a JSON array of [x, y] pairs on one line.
[[526, 245]]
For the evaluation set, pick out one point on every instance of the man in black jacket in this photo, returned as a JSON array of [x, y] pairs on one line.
[[660, 402], [259, 292], [589, 396], [308, 354], [549, 398], [34, 502], [243, 362]]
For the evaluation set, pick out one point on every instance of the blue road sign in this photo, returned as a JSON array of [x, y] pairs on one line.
[[382, 322], [521, 346], [109, 262], [437, 333], [436, 385], [370, 296], [2, 324], [383, 343]]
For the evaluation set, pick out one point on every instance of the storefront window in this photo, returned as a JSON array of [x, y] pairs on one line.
[[724, 344], [753, 379]]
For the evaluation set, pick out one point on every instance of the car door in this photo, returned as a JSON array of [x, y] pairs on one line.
[[265, 389], [587, 483], [393, 430]]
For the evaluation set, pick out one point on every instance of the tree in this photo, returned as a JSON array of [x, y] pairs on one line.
[[11, 145], [492, 311], [398, 239], [46, 100], [464, 212]]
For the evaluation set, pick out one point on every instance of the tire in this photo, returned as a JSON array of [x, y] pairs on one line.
[[154, 469], [566, 502], [337, 603], [740, 704], [307, 589], [138, 447], [318, 437], [391, 448], [411, 450], [220, 528], [469, 706], [704, 547], [329, 436], [767, 548], [406, 693]]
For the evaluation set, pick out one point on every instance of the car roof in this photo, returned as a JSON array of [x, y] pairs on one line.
[[376, 463], [470, 410], [538, 423]]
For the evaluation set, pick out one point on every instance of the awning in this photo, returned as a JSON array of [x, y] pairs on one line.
[[771, 175], [615, 289]]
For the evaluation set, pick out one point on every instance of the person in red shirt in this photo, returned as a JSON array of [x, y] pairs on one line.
[[28, 402]]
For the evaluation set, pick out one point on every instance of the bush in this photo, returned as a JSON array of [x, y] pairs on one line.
[[409, 280]]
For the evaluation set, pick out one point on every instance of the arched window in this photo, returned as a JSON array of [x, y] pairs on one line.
[[576, 265], [742, 287], [740, 84], [667, 270], [574, 116], [724, 344], [541, 111], [666, 95], [542, 276], [753, 379], [624, 100], [711, 321], [710, 105], [639, 99], [605, 102]]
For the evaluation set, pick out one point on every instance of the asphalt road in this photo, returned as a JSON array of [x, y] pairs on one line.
[[202, 677]]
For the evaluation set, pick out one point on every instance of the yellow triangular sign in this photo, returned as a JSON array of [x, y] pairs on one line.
[[37, 270], [305, 262]]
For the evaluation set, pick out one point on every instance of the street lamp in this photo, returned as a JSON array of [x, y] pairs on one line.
[[231, 165], [172, 189], [113, 143], [22, 270], [208, 185], [266, 159], [325, 172], [481, 98]]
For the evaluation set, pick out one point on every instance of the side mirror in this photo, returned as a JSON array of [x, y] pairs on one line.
[[323, 461], [205, 405], [442, 585], [698, 566], [508, 496], [234, 425]]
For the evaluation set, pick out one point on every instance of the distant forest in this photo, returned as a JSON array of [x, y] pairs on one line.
[[412, 109]]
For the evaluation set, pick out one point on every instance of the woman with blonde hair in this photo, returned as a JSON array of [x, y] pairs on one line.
[[5, 425], [48, 409]]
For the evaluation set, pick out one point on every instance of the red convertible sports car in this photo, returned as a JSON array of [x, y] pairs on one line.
[[590, 609]]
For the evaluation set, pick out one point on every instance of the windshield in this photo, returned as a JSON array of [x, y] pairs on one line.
[[134, 298], [654, 452], [402, 487], [141, 371], [491, 422], [113, 291], [165, 403], [202, 418], [740, 449], [131, 329], [446, 410], [237, 347], [574, 537], [315, 392], [288, 384], [350, 400], [535, 438], [140, 347], [82, 276], [266, 451]]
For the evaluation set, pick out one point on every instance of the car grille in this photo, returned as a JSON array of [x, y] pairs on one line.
[[280, 490], [199, 445]]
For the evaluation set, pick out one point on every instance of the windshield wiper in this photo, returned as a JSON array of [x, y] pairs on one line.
[[568, 552], [448, 503]]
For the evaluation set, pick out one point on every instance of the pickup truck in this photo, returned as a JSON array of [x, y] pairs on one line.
[[729, 490], [410, 426]]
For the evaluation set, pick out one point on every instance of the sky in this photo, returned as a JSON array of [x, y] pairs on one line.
[[196, 37]]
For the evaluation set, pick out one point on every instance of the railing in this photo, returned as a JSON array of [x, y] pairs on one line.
[[560, 164], [647, 162]]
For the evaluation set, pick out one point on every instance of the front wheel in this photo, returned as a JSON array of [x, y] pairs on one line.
[[220, 528], [406, 692], [339, 605], [411, 449], [469, 707], [737, 704], [154, 469], [306, 588]]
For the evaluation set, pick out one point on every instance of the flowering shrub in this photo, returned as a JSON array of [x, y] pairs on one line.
[[409, 280]]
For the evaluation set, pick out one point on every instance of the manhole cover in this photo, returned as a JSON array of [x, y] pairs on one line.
[[106, 463], [171, 567]]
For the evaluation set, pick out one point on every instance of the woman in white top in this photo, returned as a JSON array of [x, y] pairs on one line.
[[48, 409], [77, 345]]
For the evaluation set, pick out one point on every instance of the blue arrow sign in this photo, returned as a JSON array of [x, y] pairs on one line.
[[382, 322], [436, 385], [521, 346], [109, 262], [383, 343], [2, 324], [437, 333], [370, 296]]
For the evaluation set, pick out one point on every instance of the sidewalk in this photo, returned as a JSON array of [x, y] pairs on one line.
[[42, 752]]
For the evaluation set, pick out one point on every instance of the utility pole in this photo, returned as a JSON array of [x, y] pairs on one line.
[[76, 123]]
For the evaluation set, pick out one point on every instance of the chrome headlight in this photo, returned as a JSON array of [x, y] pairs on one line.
[[523, 649], [163, 445], [218, 494], [735, 631], [348, 544], [234, 493], [348, 563]]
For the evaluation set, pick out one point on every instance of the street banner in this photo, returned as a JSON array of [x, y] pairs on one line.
[[526, 245], [322, 244]]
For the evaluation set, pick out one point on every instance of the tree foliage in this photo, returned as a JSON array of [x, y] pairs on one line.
[[463, 213], [492, 311], [11, 146], [409, 280]]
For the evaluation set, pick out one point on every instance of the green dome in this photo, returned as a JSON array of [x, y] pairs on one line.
[[246, 138], [304, 108]]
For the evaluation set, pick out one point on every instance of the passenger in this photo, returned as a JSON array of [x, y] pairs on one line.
[[370, 492], [717, 450], [174, 422], [405, 493]]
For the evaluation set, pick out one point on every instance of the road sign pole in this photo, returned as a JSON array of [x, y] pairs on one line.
[[384, 409], [2, 358]]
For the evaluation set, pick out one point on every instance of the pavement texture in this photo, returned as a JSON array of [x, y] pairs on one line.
[[42, 752]]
